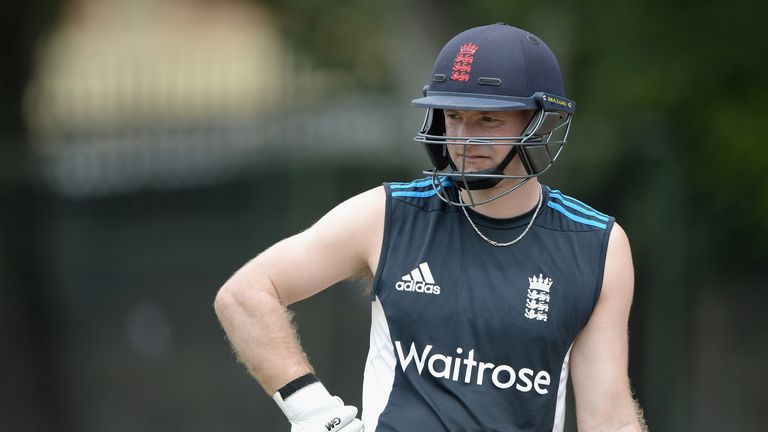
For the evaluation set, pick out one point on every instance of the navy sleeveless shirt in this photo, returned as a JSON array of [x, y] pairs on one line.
[[466, 336]]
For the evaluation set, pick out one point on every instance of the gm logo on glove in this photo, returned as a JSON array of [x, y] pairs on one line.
[[333, 423]]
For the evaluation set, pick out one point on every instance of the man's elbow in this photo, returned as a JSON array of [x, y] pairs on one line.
[[225, 301], [235, 298], [623, 415]]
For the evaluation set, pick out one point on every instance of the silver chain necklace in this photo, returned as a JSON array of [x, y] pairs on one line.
[[509, 243]]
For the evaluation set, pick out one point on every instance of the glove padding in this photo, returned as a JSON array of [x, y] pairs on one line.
[[313, 409]]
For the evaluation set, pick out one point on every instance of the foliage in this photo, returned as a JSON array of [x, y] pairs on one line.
[[345, 35]]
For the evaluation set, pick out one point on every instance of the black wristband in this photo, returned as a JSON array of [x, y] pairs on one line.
[[297, 384]]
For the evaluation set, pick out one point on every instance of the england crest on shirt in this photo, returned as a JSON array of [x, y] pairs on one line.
[[537, 302]]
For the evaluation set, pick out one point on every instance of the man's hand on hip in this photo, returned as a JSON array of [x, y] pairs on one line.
[[311, 408]]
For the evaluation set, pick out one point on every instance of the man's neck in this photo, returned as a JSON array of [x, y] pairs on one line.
[[518, 202]]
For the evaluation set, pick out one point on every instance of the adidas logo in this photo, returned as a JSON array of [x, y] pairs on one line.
[[419, 280]]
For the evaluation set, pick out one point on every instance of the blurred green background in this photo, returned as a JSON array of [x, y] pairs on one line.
[[150, 148]]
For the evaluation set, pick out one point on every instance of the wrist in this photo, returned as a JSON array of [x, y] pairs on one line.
[[297, 384], [301, 395]]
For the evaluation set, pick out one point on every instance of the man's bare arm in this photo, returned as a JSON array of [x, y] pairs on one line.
[[251, 304], [600, 354]]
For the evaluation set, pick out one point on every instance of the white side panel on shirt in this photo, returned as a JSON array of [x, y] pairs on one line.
[[379, 368], [561, 391]]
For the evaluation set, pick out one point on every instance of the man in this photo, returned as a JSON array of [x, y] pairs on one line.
[[489, 288]]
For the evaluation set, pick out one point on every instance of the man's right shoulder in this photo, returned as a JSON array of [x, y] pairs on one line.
[[370, 202], [422, 193]]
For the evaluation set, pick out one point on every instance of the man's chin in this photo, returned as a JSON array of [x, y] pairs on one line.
[[478, 169]]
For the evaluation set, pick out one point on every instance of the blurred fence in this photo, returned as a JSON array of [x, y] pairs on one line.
[[169, 156]]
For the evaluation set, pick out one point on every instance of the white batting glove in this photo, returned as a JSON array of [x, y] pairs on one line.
[[313, 409]]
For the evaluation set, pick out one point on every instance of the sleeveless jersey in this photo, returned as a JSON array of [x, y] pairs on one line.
[[466, 336]]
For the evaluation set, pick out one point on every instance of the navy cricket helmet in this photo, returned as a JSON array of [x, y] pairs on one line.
[[495, 67]]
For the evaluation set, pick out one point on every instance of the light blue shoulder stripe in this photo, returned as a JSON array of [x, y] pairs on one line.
[[577, 205], [418, 183], [574, 217], [415, 194], [574, 200]]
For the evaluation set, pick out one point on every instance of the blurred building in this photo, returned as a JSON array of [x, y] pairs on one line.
[[135, 94]]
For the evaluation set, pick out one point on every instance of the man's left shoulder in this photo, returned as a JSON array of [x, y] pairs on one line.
[[571, 214]]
